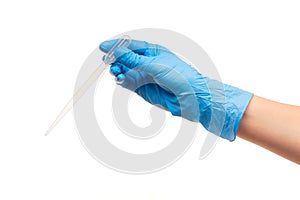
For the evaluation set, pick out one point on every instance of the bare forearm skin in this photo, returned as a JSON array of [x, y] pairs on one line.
[[274, 126]]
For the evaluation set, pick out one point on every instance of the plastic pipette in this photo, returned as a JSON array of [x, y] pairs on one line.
[[107, 60]]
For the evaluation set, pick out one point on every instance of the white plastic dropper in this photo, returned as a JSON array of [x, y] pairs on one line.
[[108, 59]]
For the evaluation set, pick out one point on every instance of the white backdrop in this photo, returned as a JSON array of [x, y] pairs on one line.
[[254, 45]]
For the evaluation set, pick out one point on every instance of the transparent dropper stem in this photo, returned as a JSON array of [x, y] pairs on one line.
[[108, 59]]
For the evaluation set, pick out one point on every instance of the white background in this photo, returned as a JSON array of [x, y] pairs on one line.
[[255, 46]]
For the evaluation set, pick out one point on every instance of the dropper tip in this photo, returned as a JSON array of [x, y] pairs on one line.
[[48, 131]]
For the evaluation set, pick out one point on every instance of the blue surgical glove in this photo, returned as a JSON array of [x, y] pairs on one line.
[[164, 80]]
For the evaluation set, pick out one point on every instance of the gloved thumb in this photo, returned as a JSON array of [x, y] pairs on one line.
[[131, 60]]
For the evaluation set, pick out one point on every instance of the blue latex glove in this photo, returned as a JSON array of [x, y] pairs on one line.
[[163, 79]]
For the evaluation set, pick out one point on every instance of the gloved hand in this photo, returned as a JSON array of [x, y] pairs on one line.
[[163, 79]]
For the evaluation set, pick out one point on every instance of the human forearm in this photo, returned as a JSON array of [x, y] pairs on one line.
[[274, 126]]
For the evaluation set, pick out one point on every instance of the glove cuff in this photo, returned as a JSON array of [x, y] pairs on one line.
[[236, 103], [225, 108]]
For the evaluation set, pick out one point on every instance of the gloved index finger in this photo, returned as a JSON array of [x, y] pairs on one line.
[[137, 46], [130, 59]]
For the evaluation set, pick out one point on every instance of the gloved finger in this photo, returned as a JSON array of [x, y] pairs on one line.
[[107, 45], [137, 46], [116, 69], [120, 78], [130, 59]]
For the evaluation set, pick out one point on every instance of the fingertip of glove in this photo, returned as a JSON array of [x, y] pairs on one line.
[[120, 78], [106, 45], [115, 70]]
